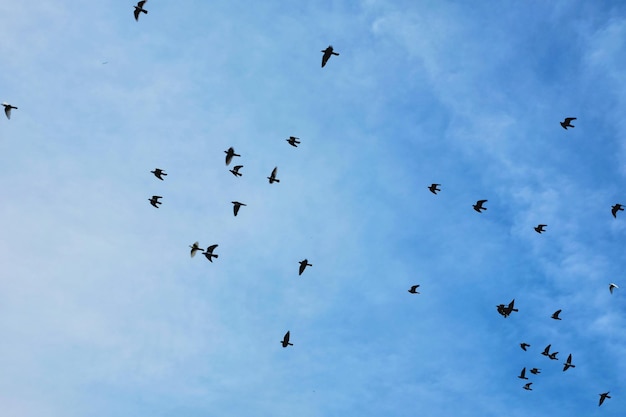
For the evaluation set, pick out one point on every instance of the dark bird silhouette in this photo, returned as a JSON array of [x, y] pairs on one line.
[[209, 253], [433, 188], [194, 248], [603, 397], [155, 200], [546, 351], [7, 109], [479, 205], [616, 208], [139, 9], [285, 341], [523, 374], [327, 53], [510, 308], [567, 122], [524, 346], [568, 363], [553, 357], [555, 316], [535, 371], [527, 386], [272, 176], [303, 265], [236, 205], [159, 173], [612, 287], [229, 154], [540, 228], [235, 170], [293, 141], [413, 289]]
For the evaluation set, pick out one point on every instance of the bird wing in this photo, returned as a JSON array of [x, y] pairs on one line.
[[286, 338], [136, 13], [236, 209], [556, 313], [211, 248], [274, 171], [481, 202], [569, 119], [569, 358], [141, 3]]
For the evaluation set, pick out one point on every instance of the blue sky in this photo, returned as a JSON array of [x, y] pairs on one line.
[[103, 312]]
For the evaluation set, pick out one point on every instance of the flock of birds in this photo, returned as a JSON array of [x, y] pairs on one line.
[[504, 310]]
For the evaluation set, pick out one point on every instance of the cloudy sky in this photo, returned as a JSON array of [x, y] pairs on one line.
[[104, 313]]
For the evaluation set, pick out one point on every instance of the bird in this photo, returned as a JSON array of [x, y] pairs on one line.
[[535, 371], [413, 289], [603, 397], [546, 351], [524, 346], [285, 341], [229, 154], [235, 170], [303, 264], [568, 363], [612, 287], [567, 122], [194, 248], [616, 208], [7, 109], [236, 205], [523, 374], [479, 205], [540, 228], [272, 176], [293, 141], [433, 188], [527, 386], [553, 357], [555, 316], [500, 308], [159, 173], [155, 200], [327, 53], [209, 253], [139, 9], [510, 308]]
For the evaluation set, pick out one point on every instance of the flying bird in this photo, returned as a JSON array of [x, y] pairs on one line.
[[567, 122], [155, 200], [139, 9], [433, 188], [413, 289], [272, 176], [523, 374], [540, 228], [616, 208], [235, 170], [603, 397], [209, 253], [7, 109], [236, 205], [612, 287], [229, 154], [327, 53], [285, 341], [303, 265], [159, 173], [568, 363], [524, 346], [546, 351], [293, 141], [479, 205], [535, 371], [527, 386], [194, 248], [555, 316], [553, 357]]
